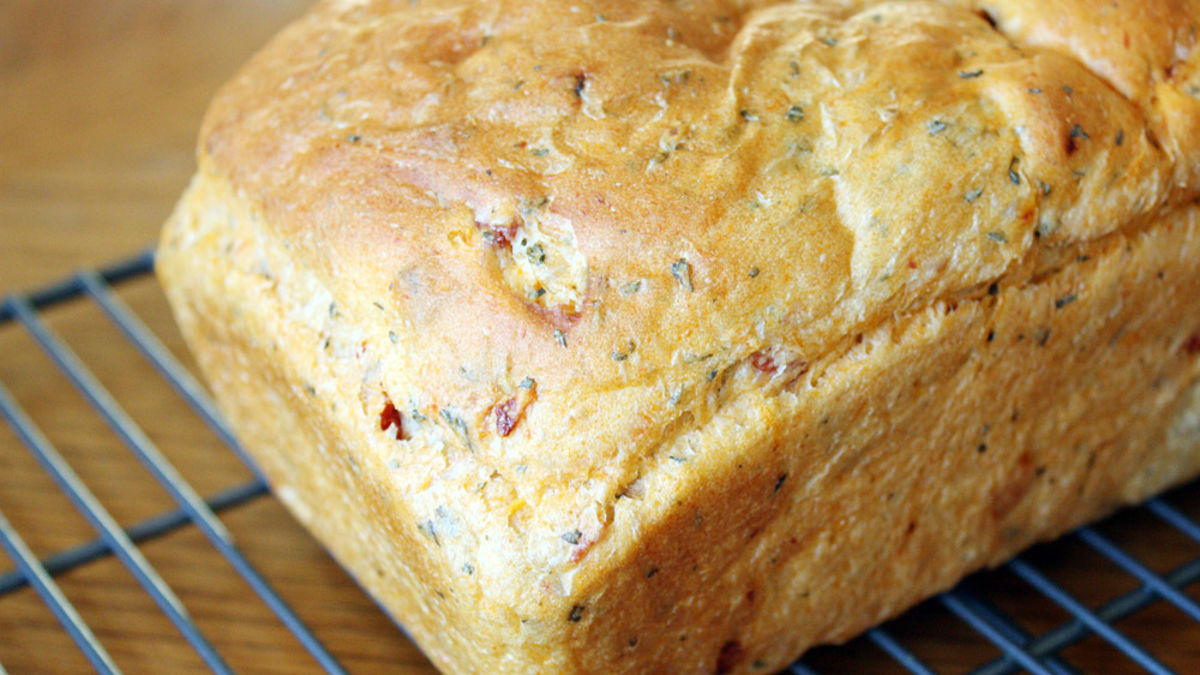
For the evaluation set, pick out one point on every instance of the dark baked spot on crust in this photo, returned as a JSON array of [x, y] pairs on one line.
[[576, 613], [1152, 139], [505, 420], [764, 363], [581, 549], [1192, 345], [1006, 495], [730, 656], [1076, 132], [390, 418], [509, 413], [498, 236]]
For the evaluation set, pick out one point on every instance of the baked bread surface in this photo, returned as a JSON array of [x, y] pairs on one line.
[[623, 334]]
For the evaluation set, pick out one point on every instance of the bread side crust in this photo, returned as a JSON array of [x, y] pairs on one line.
[[946, 441], [927, 450]]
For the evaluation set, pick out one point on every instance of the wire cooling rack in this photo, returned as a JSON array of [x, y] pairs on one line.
[[1099, 599]]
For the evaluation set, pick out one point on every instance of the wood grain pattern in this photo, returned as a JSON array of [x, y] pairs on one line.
[[99, 106]]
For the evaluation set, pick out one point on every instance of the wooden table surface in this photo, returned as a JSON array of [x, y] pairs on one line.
[[100, 102], [99, 106]]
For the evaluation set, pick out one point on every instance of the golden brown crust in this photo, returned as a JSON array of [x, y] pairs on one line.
[[572, 244]]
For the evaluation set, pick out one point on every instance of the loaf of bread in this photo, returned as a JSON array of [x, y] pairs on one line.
[[621, 336]]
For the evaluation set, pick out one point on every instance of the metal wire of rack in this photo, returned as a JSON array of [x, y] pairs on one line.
[[1019, 649]]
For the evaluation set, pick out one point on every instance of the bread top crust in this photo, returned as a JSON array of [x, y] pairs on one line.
[[571, 231]]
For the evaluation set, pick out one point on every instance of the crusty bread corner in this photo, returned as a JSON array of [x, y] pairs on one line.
[[621, 338]]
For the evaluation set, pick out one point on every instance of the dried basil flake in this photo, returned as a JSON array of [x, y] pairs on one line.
[[1064, 301], [536, 253], [621, 355], [682, 271], [459, 426]]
